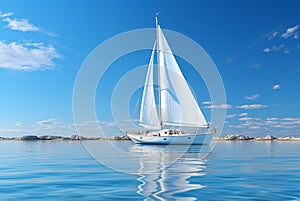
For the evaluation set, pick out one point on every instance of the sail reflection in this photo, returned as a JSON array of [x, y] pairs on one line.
[[165, 175]]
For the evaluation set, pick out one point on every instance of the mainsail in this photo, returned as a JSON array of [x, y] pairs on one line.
[[177, 104]]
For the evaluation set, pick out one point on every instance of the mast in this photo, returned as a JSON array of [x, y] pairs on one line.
[[158, 62]]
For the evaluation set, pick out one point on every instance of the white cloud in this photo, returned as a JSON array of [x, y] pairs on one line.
[[235, 126], [231, 116], [291, 119], [249, 119], [222, 106], [276, 86], [289, 126], [18, 25], [274, 48], [286, 123], [252, 106], [290, 32], [244, 114], [43, 127], [244, 119], [254, 127], [273, 35], [4, 15], [214, 106], [48, 122], [21, 24], [27, 56], [252, 97], [281, 40]]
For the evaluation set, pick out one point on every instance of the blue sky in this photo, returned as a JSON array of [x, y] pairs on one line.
[[255, 45]]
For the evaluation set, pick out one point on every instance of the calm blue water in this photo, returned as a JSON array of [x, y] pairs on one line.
[[64, 170]]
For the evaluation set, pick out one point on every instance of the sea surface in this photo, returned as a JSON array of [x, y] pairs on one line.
[[111, 170]]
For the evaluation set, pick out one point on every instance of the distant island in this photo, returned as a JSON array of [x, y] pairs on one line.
[[72, 137], [249, 138], [77, 137]]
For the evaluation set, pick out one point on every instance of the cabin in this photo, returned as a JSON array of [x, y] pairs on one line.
[[168, 132]]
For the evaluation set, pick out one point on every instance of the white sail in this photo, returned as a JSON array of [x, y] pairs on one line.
[[178, 104], [148, 111], [170, 108]]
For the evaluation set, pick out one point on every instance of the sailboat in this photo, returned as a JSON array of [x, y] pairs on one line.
[[177, 107]]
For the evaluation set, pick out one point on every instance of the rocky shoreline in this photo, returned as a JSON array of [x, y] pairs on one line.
[[249, 138], [77, 137], [51, 137]]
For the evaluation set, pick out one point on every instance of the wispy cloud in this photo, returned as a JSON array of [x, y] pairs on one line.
[[252, 97], [18, 24], [273, 122], [291, 31], [43, 127], [57, 127], [221, 106], [27, 56], [281, 40], [252, 106], [273, 48], [273, 35], [287, 126], [21, 24], [267, 36], [276, 86], [48, 123], [231, 116], [5, 15], [244, 114], [210, 105], [249, 119]]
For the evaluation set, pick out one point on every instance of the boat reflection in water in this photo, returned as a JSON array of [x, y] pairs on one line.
[[165, 171]]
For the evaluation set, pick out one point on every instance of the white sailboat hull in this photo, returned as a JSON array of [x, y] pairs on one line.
[[185, 139]]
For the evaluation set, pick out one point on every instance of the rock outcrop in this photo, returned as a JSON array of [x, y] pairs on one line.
[[242, 137], [118, 138], [236, 137], [268, 137], [30, 137]]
